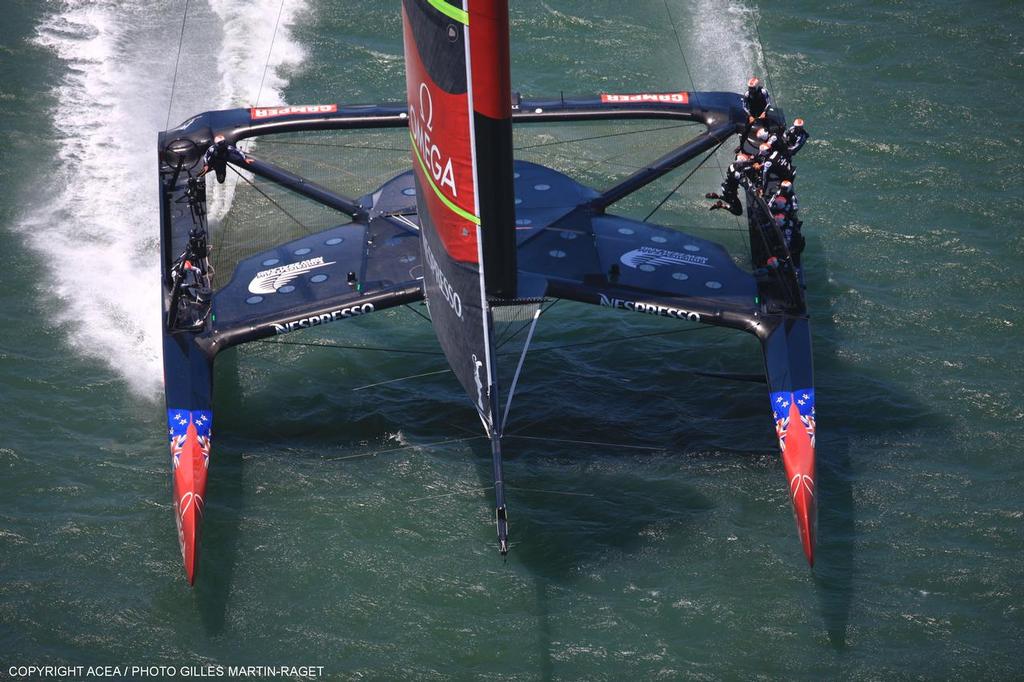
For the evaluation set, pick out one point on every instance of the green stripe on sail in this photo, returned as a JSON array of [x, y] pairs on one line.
[[440, 195], [459, 15]]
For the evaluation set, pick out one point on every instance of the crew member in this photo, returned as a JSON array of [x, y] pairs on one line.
[[757, 101], [785, 227], [787, 197], [217, 156], [773, 138], [775, 164], [190, 301], [781, 204], [739, 172], [791, 235], [795, 136]]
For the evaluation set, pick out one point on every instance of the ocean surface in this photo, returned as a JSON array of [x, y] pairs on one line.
[[652, 536]]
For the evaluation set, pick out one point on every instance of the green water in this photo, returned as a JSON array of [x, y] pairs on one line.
[[330, 541]]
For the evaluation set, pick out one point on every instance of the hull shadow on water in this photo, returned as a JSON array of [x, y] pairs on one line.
[[854, 406], [582, 505], [611, 520], [226, 497]]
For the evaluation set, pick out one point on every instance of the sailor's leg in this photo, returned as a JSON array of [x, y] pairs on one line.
[[220, 168], [745, 144], [730, 187]]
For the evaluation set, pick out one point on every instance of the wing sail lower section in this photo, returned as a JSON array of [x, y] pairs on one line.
[[460, 130]]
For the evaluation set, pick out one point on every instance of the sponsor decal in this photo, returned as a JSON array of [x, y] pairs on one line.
[[257, 113], [648, 97], [649, 255], [479, 384], [421, 123], [449, 293], [269, 281], [178, 422], [649, 308], [804, 403], [325, 318]]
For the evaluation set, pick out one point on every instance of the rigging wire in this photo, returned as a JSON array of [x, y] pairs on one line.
[[461, 491], [224, 231], [683, 181], [686, 64], [268, 198], [549, 491], [296, 143], [520, 148], [413, 376], [270, 52], [310, 344], [417, 312], [696, 99], [622, 338], [607, 135], [466, 491], [586, 442], [404, 447], [174, 81], [764, 59], [616, 339], [525, 325]]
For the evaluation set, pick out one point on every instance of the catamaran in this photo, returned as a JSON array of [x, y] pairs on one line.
[[471, 230]]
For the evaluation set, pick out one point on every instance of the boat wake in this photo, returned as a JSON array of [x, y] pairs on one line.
[[97, 232], [724, 46]]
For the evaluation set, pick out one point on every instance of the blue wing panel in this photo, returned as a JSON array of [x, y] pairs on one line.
[[562, 239], [310, 273]]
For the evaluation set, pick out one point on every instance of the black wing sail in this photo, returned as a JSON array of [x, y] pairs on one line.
[[457, 84]]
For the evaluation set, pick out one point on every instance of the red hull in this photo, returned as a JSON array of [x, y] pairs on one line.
[[191, 464], [796, 441]]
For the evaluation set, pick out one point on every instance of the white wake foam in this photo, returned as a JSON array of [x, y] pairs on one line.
[[724, 51], [97, 232]]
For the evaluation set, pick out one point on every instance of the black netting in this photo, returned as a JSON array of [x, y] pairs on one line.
[[250, 215], [600, 154]]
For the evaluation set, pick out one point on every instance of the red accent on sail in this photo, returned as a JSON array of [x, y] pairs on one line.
[[440, 126], [795, 441], [190, 495], [489, 56]]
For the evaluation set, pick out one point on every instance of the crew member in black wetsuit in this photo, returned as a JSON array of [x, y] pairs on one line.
[[739, 172], [756, 103], [773, 138], [780, 203], [786, 198], [775, 164], [791, 234], [795, 136], [191, 296], [784, 207], [217, 156]]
